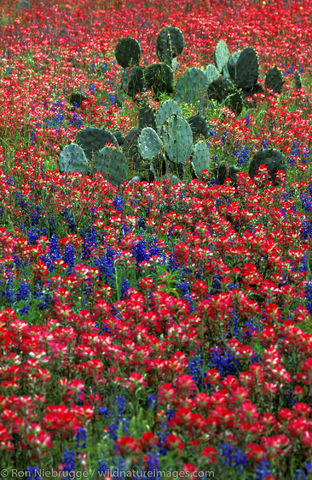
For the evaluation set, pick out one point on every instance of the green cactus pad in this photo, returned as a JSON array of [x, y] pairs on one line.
[[234, 102], [200, 158], [159, 78], [224, 172], [149, 143], [231, 65], [199, 127], [298, 80], [146, 117], [73, 159], [92, 139], [132, 80], [111, 162], [273, 159], [247, 68], [131, 152], [120, 137], [220, 89], [168, 108], [178, 139], [274, 79], [128, 52], [212, 73], [169, 44], [221, 55], [192, 86]]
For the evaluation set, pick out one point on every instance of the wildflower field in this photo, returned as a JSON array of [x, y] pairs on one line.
[[154, 329]]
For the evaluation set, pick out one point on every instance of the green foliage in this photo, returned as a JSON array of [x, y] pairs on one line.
[[221, 55], [149, 143], [192, 86], [132, 80], [168, 108], [247, 68], [178, 139], [199, 127]]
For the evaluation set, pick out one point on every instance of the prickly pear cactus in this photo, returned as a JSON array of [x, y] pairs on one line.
[[273, 159], [92, 139], [247, 68], [168, 108], [212, 73], [128, 52], [200, 158], [221, 55], [224, 172], [131, 152], [258, 88], [111, 162], [178, 139], [298, 80], [220, 89], [274, 79], [120, 137], [159, 78], [199, 127], [192, 87], [146, 117], [149, 143], [169, 44], [73, 159], [234, 102], [231, 65], [132, 80]]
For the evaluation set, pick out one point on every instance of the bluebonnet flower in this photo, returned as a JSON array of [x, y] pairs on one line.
[[89, 242], [33, 473], [106, 266], [265, 144], [233, 458], [54, 249], [243, 157], [92, 88], [216, 284], [24, 310], [103, 468], [125, 285], [226, 362], [68, 463], [118, 203], [247, 120], [51, 226], [76, 121], [69, 257], [306, 203], [70, 221], [104, 67], [308, 294], [81, 437], [9, 292], [120, 404], [23, 291], [141, 223], [262, 470], [139, 252], [196, 369], [152, 401], [302, 474], [153, 465]]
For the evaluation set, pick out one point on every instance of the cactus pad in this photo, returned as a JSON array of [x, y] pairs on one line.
[[234, 102], [273, 159], [73, 159], [298, 80], [92, 139], [178, 139], [220, 89], [200, 158], [120, 137], [111, 162], [231, 65], [159, 78], [146, 117], [131, 152], [168, 108], [212, 73], [199, 127], [274, 79], [247, 68], [192, 87], [169, 44], [149, 143], [76, 99], [225, 172], [128, 52], [132, 80], [221, 55]]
